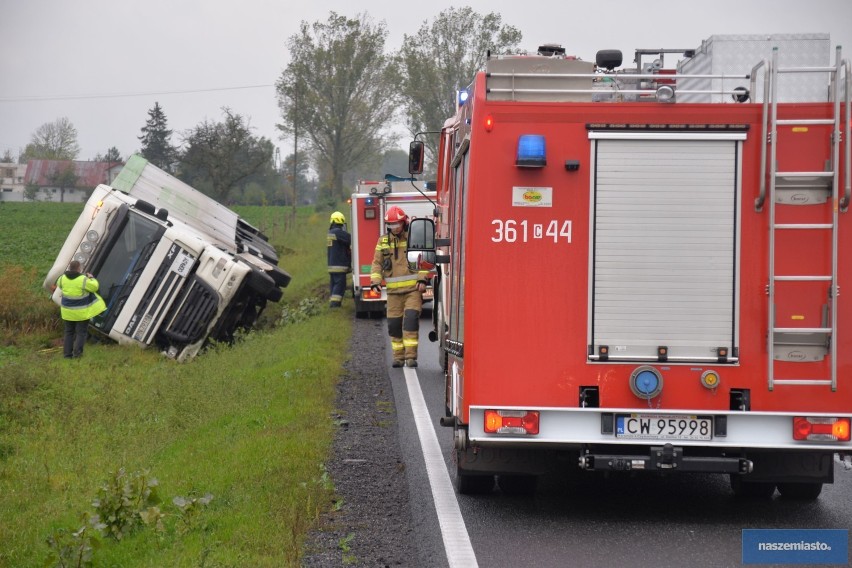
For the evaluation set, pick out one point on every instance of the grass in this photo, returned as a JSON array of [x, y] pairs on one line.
[[249, 424]]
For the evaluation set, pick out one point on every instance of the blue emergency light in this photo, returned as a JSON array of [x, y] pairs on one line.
[[531, 152], [461, 97]]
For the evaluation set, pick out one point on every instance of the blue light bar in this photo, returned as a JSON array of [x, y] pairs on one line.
[[531, 152]]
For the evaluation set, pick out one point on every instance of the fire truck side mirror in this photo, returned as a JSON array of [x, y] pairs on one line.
[[421, 235], [415, 157]]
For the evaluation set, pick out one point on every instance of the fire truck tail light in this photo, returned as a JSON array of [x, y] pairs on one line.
[[511, 421], [822, 429], [531, 151]]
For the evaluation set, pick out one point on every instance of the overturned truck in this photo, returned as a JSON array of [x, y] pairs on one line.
[[176, 268]]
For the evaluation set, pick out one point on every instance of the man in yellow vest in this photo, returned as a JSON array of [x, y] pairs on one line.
[[80, 303]]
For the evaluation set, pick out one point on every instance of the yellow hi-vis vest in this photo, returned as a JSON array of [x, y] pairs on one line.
[[80, 300]]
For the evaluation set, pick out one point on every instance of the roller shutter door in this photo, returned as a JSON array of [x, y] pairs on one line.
[[664, 248]]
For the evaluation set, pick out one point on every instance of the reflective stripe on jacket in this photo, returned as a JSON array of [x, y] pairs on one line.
[[80, 301], [390, 262]]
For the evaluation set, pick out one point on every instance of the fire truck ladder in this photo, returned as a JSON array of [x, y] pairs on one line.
[[806, 344]]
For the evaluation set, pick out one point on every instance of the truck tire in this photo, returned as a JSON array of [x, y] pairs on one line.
[[281, 278], [473, 484], [260, 282], [800, 491], [754, 490], [517, 484]]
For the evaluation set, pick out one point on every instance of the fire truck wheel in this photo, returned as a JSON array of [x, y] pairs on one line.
[[517, 484], [758, 490], [468, 484], [800, 491]]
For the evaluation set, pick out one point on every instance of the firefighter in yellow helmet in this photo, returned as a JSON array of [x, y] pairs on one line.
[[405, 287], [80, 303], [339, 257]]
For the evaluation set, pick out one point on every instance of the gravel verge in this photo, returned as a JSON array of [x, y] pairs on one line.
[[372, 524]]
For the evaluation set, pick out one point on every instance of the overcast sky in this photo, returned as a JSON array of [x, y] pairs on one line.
[[104, 63]]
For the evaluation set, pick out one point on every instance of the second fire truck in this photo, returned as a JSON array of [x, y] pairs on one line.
[[370, 201]]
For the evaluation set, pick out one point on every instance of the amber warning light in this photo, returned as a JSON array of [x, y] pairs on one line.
[[511, 421], [823, 429]]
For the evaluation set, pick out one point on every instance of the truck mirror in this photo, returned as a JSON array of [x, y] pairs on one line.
[[415, 157], [421, 235], [422, 260]]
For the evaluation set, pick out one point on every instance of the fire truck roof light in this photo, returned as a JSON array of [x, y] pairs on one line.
[[821, 429], [531, 151], [512, 422], [462, 97]]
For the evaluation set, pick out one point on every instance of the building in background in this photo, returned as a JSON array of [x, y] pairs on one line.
[[54, 180]]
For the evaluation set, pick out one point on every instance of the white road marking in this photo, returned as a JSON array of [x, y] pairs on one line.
[[453, 530]]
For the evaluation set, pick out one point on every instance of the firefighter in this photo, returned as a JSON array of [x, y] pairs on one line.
[[339, 257], [405, 287], [80, 303]]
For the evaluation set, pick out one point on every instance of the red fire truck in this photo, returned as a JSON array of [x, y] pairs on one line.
[[640, 268], [369, 203]]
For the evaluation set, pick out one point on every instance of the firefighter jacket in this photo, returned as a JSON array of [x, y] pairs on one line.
[[339, 249], [80, 300], [390, 263]]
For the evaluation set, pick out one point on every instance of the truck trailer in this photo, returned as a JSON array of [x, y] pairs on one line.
[[628, 282], [175, 267]]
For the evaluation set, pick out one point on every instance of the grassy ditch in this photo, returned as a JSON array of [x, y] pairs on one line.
[[216, 462]]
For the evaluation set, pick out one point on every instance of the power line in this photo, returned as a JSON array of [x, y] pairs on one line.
[[40, 98]]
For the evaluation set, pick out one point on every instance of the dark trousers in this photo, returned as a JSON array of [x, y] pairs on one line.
[[75, 337], [338, 287]]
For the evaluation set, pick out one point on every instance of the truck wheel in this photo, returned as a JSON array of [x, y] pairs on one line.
[[757, 490], [260, 282], [800, 491], [279, 276], [517, 484], [468, 484]]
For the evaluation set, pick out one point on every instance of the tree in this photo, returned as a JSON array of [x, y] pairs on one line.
[[336, 91], [7, 157], [63, 176], [222, 157], [55, 140], [155, 138], [442, 58], [31, 191]]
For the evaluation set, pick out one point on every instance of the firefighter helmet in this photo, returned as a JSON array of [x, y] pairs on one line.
[[338, 218], [395, 215]]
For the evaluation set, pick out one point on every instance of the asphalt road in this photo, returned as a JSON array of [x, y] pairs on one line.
[[589, 520]]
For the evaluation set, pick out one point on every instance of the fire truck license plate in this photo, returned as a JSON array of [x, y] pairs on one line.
[[663, 427]]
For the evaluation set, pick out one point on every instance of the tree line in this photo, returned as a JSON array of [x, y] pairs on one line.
[[340, 98]]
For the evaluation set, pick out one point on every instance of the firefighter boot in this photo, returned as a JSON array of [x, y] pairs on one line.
[[411, 362]]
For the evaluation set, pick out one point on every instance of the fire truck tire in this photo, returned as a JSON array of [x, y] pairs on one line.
[[756, 490], [517, 484], [468, 484], [800, 491]]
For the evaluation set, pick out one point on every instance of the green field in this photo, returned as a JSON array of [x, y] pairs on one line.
[[215, 462]]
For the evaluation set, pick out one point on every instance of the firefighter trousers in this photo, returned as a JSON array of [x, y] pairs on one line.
[[337, 288], [404, 323]]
